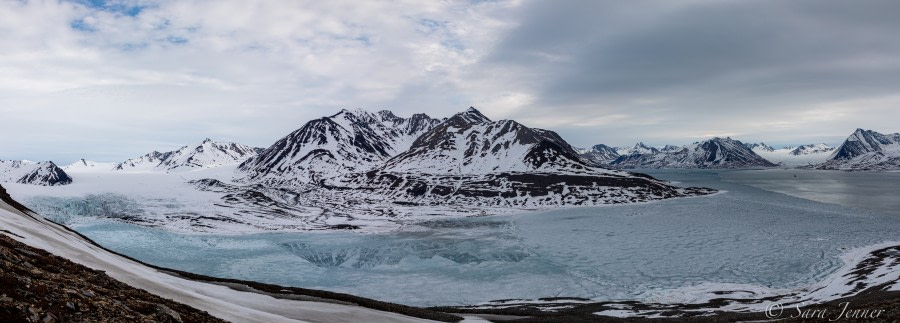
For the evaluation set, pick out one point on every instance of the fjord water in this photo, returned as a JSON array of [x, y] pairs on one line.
[[744, 235], [874, 191]]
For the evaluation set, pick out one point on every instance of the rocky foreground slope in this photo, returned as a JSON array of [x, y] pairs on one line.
[[36, 286]]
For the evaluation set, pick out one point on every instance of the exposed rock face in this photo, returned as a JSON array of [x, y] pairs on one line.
[[866, 150], [712, 153], [36, 286], [34, 173]]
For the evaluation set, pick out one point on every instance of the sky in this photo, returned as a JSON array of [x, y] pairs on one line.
[[111, 80]]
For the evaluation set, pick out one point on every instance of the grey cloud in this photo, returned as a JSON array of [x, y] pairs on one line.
[[710, 60]]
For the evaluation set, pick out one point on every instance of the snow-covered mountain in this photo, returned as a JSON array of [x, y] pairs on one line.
[[36, 173], [600, 153], [759, 147], [470, 143], [866, 149], [349, 141], [83, 165], [206, 154], [146, 162], [638, 149], [382, 162], [712, 153], [803, 155], [470, 161], [812, 149]]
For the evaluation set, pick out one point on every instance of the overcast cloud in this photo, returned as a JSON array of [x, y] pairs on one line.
[[110, 80]]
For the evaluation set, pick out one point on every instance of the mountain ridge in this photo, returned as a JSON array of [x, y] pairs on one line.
[[711, 153], [206, 154]]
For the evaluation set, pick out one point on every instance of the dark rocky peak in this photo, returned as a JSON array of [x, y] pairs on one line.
[[389, 116], [466, 118]]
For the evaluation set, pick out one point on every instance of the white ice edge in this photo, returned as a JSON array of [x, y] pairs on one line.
[[832, 287]]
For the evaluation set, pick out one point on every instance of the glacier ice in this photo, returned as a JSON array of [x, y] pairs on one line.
[[743, 235]]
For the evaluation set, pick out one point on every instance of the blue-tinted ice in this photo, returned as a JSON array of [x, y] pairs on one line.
[[744, 235]]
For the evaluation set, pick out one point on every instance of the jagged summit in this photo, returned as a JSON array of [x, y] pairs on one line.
[[348, 141], [469, 143], [470, 116], [416, 124]]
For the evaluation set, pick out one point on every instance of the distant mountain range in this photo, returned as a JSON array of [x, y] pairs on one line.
[[36, 173], [712, 153], [341, 147], [862, 150], [803, 155], [203, 155]]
